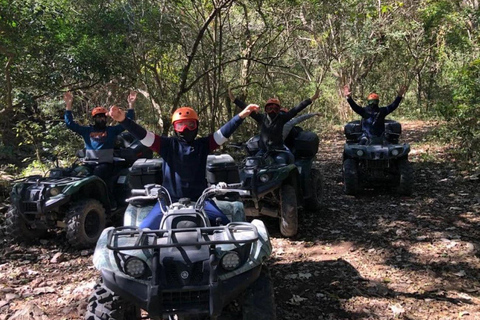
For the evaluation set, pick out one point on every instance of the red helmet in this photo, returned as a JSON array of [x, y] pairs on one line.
[[273, 101], [184, 113], [373, 96], [99, 110]]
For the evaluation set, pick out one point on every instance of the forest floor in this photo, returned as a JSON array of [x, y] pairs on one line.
[[374, 256]]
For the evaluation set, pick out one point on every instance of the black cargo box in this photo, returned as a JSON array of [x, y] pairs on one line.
[[353, 131], [222, 168], [306, 144], [253, 145], [393, 130], [145, 171]]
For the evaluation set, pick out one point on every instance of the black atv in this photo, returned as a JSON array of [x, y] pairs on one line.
[[72, 198], [185, 269], [381, 162], [279, 189]]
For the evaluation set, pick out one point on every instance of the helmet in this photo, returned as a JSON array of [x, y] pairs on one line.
[[273, 101], [99, 110], [372, 96], [184, 113]]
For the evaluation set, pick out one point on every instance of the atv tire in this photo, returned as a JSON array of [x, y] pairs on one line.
[[105, 305], [85, 221], [405, 172], [350, 177], [288, 211], [316, 184], [259, 301], [18, 229]]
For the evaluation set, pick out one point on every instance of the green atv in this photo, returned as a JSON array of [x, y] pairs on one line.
[[72, 198]]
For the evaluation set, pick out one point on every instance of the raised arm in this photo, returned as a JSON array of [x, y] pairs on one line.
[[355, 107], [302, 105], [241, 105], [71, 124], [394, 105], [222, 134]]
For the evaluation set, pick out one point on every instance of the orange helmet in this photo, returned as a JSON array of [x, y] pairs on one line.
[[99, 110], [373, 96], [273, 101], [184, 113]]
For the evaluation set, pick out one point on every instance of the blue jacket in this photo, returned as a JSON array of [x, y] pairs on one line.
[[373, 119], [98, 144], [184, 164]]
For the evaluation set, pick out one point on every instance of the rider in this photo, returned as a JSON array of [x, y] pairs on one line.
[[373, 117], [185, 156], [99, 138], [273, 121]]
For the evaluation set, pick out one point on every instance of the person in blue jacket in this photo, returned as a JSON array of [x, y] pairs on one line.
[[184, 156], [99, 138], [373, 116]]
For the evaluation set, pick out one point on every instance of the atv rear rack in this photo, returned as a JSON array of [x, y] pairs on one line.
[[149, 239]]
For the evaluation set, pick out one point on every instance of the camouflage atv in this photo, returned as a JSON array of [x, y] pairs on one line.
[[72, 199]]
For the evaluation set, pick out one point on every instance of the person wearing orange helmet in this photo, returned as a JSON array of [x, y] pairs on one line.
[[99, 138], [373, 116], [184, 156], [272, 123]]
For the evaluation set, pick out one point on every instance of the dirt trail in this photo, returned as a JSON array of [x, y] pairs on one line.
[[375, 256]]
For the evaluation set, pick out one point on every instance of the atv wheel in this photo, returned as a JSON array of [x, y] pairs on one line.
[[20, 230], [316, 184], [105, 305], [405, 171], [350, 177], [85, 222], [288, 211], [259, 302]]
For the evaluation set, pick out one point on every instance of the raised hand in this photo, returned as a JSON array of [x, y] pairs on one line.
[[116, 113], [248, 110], [402, 90], [68, 98], [131, 99], [346, 91], [230, 95]]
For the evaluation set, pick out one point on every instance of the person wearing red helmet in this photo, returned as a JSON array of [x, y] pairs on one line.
[[184, 156], [373, 116], [99, 138], [272, 122]]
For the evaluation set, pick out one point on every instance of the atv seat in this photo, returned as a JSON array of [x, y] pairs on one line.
[[181, 221]]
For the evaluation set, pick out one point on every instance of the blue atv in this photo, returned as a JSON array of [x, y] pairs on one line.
[[278, 188], [72, 198], [381, 162], [187, 268]]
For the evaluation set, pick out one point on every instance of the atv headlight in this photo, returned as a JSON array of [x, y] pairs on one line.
[[135, 267], [264, 178], [230, 261], [359, 153], [54, 191], [395, 152]]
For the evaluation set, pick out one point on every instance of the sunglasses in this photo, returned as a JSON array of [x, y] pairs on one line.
[[272, 108], [181, 125]]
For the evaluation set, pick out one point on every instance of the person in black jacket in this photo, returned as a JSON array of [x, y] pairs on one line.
[[373, 116], [272, 123]]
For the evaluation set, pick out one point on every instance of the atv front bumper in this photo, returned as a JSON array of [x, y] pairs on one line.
[[157, 301]]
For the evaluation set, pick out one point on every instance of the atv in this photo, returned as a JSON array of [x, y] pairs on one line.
[[72, 198], [187, 268], [381, 162], [278, 188]]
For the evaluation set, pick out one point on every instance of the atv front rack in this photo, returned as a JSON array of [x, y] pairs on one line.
[[121, 237]]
